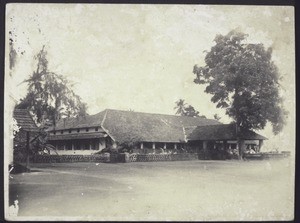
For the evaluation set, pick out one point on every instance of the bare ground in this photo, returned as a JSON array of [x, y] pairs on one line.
[[186, 190]]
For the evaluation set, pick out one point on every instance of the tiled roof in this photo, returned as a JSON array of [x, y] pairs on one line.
[[220, 132], [25, 120], [80, 122], [125, 125]]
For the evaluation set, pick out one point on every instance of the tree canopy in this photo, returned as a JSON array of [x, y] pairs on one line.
[[49, 95], [185, 109], [217, 117], [244, 80]]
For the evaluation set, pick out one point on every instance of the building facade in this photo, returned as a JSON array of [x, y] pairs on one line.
[[147, 133]]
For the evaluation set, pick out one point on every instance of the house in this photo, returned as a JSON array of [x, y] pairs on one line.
[[24, 120], [110, 128], [28, 130]]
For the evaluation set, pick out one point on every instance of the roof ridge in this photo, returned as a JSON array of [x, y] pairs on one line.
[[73, 118], [106, 130], [184, 134], [209, 125], [157, 114], [103, 120], [119, 110]]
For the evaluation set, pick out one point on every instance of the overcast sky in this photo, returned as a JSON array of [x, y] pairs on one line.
[[141, 57]]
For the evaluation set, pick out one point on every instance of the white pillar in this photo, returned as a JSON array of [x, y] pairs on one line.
[[104, 143], [261, 142], [72, 146], [99, 144], [175, 146], [142, 145], [165, 145], [153, 147], [205, 150], [90, 144]]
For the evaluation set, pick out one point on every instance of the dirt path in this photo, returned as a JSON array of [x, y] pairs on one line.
[[187, 190]]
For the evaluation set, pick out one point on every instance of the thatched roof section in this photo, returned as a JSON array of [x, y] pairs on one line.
[[220, 132], [24, 120]]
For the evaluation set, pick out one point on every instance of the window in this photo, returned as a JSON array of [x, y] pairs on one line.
[[78, 130], [96, 129], [87, 129], [62, 131]]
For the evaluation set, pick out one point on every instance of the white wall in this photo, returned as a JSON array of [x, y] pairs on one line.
[[78, 151], [74, 152], [82, 131]]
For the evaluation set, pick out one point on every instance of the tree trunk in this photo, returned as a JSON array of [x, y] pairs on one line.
[[240, 142], [241, 148], [27, 149]]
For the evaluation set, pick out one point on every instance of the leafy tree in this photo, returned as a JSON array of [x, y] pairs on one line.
[[191, 112], [184, 109], [38, 144], [129, 143], [217, 117], [50, 96], [243, 80]]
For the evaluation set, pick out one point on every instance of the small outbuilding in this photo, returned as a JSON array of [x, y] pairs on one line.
[[27, 131], [222, 139]]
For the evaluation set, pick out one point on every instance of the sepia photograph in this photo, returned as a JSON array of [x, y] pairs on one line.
[[149, 112]]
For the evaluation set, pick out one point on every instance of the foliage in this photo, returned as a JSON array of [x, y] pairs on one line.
[[38, 143], [109, 150], [244, 80], [180, 106], [15, 126], [12, 52], [129, 143], [49, 95], [217, 117], [184, 109]]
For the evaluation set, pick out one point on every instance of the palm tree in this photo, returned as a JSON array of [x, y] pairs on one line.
[[50, 95], [180, 107]]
